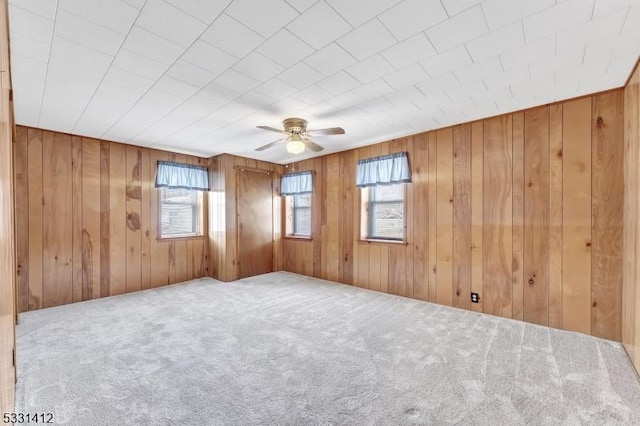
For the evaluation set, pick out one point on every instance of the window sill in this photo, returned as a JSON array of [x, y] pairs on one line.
[[298, 237], [182, 238], [374, 241]]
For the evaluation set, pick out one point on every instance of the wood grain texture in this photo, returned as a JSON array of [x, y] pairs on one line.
[[607, 191], [76, 217], [555, 215], [118, 219], [8, 214], [223, 234], [631, 239], [576, 212], [91, 229], [497, 291], [21, 183], [518, 202], [90, 216], [255, 233], [57, 238], [420, 210], [133, 191], [536, 216], [488, 203], [477, 211], [462, 216], [444, 218], [34, 153]]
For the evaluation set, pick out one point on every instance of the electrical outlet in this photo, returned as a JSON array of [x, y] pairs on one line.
[[475, 298]]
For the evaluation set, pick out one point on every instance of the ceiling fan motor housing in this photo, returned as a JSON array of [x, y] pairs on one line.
[[295, 125]]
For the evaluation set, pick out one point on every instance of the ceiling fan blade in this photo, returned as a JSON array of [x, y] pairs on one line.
[[272, 129], [331, 131], [312, 145], [269, 145]]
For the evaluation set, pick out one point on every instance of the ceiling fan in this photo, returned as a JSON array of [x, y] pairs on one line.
[[297, 138]]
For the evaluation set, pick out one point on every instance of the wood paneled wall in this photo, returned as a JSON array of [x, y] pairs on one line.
[[223, 226], [7, 242], [88, 220], [524, 209], [631, 281]]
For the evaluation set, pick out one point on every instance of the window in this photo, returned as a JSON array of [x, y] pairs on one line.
[[180, 212], [384, 212], [299, 215]]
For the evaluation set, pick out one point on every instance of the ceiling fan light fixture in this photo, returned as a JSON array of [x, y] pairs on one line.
[[295, 146]]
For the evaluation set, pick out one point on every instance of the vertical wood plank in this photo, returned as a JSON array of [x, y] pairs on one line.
[[34, 148], [105, 218], [333, 218], [133, 207], [607, 212], [536, 216], [477, 219], [398, 277], [76, 217], [444, 229], [21, 183], [576, 212], [497, 239], [347, 181], [433, 216], [462, 216], [91, 211], [421, 216], [159, 249], [147, 185], [57, 219], [555, 215], [517, 237], [117, 219]]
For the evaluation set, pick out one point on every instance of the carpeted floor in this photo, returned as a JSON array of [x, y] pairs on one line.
[[289, 350]]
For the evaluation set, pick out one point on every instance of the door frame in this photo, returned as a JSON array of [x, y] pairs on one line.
[[271, 173]]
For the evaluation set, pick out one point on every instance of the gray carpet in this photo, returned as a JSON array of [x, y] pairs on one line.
[[289, 350]]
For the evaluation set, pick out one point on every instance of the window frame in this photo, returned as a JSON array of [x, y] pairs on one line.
[[366, 222], [290, 216], [199, 215]]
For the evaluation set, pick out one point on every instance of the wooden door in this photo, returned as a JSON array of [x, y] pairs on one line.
[[255, 222]]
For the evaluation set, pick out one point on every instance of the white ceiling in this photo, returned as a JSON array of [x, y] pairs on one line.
[[197, 76]]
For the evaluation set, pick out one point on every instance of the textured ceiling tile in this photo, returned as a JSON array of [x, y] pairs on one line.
[[152, 46], [258, 67], [330, 59], [412, 16], [456, 6], [204, 10], [169, 22], [371, 69], [88, 34], [319, 25], [557, 18], [459, 29], [496, 42], [409, 51], [231, 36], [300, 76], [208, 57], [30, 24], [114, 15], [339, 83], [407, 76], [285, 48], [451, 60], [357, 12], [367, 40], [500, 13], [265, 17]]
